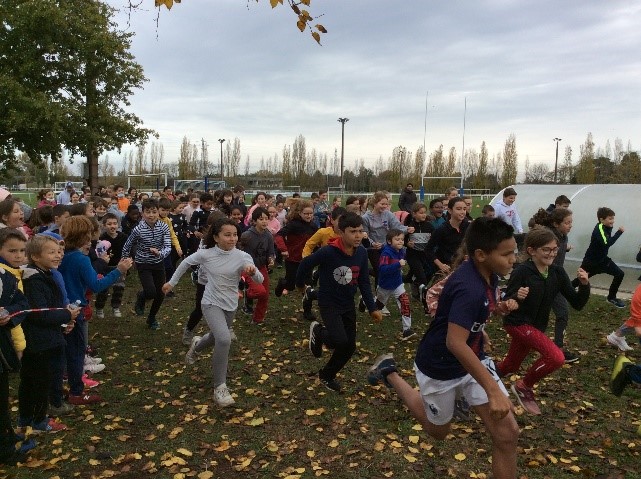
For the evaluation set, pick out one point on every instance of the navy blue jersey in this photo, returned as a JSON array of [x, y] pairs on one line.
[[466, 300]]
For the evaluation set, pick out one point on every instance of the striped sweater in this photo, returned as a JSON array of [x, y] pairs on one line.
[[147, 237]]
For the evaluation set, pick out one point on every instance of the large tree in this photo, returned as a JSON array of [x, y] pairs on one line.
[[66, 76]]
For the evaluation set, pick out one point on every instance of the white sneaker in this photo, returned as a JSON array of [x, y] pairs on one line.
[[222, 397], [619, 342], [192, 355], [187, 336], [94, 368], [100, 313], [92, 360], [117, 313], [385, 311], [232, 335]]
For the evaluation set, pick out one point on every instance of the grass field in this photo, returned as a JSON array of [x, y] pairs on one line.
[[159, 420]]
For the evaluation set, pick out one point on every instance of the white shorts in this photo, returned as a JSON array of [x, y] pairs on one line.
[[439, 396], [383, 295]]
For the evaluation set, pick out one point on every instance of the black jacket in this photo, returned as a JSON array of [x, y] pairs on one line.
[[43, 330], [406, 200], [535, 308], [11, 299]]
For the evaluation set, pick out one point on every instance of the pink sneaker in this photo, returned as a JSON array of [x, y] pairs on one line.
[[88, 382], [525, 396]]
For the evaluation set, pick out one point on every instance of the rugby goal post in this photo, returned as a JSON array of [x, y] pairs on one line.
[[155, 181]]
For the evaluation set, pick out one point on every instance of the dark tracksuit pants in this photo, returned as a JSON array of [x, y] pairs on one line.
[[338, 334]]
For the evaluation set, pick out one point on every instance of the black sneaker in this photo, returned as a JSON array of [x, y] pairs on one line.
[[361, 305], [139, 307], [153, 324], [570, 357], [247, 309], [383, 365], [315, 341], [307, 304], [331, 384], [616, 302], [280, 286], [462, 409], [407, 334]]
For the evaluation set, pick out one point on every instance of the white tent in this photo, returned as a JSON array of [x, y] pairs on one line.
[[624, 200]]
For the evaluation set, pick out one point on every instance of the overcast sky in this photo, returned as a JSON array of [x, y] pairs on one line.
[[538, 69]]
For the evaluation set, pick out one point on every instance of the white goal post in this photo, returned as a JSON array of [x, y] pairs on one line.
[[159, 183]]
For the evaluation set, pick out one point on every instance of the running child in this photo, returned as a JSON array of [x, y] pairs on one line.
[[390, 279], [117, 240], [541, 280], [418, 259], [436, 212], [198, 221], [164, 209], [291, 239], [153, 244], [450, 361], [506, 211], [631, 325], [446, 240], [342, 267], [596, 260], [258, 242], [223, 264]]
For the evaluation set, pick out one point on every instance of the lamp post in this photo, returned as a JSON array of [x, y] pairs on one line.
[[556, 162], [343, 121], [222, 175]]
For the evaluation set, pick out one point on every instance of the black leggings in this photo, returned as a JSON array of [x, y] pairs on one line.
[[197, 314], [35, 378], [152, 279]]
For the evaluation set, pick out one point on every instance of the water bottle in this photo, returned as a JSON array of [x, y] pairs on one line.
[[3, 313]]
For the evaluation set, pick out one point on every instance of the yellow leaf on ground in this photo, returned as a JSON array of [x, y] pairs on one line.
[[185, 452], [414, 439], [333, 443], [205, 475], [460, 456], [311, 453], [409, 458], [257, 421]]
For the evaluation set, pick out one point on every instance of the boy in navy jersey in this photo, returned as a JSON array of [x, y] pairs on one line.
[[450, 362]]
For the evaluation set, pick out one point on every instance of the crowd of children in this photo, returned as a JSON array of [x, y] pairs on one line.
[[75, 245]]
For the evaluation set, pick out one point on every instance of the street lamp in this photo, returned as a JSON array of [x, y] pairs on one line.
[[343, 121], [556, 162], [222, 174]]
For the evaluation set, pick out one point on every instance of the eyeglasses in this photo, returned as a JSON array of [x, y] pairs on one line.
[[549, 251]]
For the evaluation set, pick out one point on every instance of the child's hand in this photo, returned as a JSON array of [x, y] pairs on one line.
[[621, 229], [104, 256], [376, 245], [510, 305], [500, 405], [179, 252], [410, 229], [154, 251], [74, 311], [582, 276], [284, 254], [487, 343], [166, 288], [402, 262], [522, 293], [124, 264], [411, 243], [69, 327], [376, 316], [568, 248], [445, 268], [270, 262], [198, 234], [250, 270]]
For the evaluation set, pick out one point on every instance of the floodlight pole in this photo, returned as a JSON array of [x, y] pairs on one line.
[[556, 162], [343, 121], [222, 174]]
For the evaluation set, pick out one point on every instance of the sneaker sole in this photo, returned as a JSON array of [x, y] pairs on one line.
[[374, 367], [405, 338], [311, 331], [616, 345]]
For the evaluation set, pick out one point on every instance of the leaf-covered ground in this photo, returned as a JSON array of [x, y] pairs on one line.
[[159, 419]]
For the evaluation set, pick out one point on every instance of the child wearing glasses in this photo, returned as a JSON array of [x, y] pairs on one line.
[[534, 284]]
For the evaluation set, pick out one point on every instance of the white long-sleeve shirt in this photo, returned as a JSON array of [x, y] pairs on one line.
[[222, 269], [508, 214]]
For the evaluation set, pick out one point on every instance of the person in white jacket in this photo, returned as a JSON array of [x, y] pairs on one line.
[[506, 211]]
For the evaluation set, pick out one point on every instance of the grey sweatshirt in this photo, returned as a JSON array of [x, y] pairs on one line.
[[222, 269]]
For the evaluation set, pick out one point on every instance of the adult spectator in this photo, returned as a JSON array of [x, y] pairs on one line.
[[64, 197], [407, 198]]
